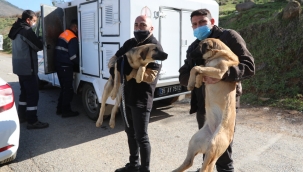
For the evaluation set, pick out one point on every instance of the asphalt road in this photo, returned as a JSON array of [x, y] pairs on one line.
[[266, 139]]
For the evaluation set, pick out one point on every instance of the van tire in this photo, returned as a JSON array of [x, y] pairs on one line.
[[90, 102]]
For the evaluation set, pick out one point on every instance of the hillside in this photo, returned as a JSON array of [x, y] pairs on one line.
[[276, 45], [8, 9]]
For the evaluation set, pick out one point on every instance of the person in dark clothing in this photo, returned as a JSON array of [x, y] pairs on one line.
[[203, 27], [138, 98], [66, 61], [25, 46]]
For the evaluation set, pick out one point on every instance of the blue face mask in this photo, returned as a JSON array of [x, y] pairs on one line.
[[202, 32]]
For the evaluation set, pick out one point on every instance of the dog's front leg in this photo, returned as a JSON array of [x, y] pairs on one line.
[[107, 90], [140, 74], [192, 77], [199, 80], [133, 74], [215, 72]]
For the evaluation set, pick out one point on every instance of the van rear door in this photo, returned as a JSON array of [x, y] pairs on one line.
[[170, 37], [89, 24], [52, 26], [175, 36]]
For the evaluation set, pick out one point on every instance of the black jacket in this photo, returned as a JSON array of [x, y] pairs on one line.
[[25, 46], [67, 49], [244, 70], [139, 95]]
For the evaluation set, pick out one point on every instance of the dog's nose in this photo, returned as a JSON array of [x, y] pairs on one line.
[[165, 55], [162, 55]]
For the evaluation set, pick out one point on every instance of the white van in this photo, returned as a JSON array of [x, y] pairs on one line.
[[104, 25]]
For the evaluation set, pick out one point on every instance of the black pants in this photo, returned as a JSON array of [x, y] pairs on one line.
[[225, 162], [65, 76], [28, 98], [138, 140]]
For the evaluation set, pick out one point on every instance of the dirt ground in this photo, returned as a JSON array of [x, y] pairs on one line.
[[272, 119]]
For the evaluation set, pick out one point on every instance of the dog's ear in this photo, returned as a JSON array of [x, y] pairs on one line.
[[204, 47], [144, 52]]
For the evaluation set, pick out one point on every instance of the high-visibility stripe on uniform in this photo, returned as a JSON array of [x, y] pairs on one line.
[[22, 103], [67, 35], [73, 57], [61, 48], [32, 108]]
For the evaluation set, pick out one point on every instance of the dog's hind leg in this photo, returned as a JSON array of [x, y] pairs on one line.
[[217, 146], [209, 162], [188, 162], [116, 83], [112, 120], [197, 144], [107, 90]]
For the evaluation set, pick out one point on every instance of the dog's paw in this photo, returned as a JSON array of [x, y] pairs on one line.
[[113, 95], [99, 122], [112, 123], [190, 87], [138, 80], [198, 85], [199, 80]]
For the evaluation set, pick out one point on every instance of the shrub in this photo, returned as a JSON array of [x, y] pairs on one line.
[[7, 44]]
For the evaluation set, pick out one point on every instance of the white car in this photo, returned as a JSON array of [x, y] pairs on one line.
[[9, 124]]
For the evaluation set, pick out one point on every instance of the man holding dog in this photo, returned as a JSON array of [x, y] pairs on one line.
[[204, 27], [138, 98]]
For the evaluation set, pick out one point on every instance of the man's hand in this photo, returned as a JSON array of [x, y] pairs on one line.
[[209, 80], [150, 75]]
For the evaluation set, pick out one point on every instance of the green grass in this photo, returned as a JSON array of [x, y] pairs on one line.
[[277, 48], [5, 25], [261, 13]]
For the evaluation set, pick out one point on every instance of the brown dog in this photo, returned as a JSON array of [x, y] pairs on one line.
[[138, 58], [220, 104]]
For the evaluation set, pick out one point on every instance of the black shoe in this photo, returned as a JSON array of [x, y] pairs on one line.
[[128, 168], [59, 112], [69, 114], [37, 125]]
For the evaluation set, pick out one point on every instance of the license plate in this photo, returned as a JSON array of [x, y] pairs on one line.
[[164, 91]]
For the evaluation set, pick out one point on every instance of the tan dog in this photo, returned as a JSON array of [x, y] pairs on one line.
[[220, 104], [138, 58]]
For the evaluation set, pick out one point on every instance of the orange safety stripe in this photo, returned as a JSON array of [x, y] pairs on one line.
[[67, 35]]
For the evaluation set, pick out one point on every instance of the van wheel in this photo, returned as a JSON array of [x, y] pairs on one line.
[[91, 104]]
